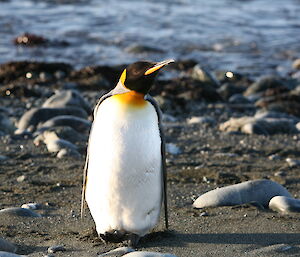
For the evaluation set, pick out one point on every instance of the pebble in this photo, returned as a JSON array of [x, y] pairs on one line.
[[31, 206], [34, 116], [21, 178], [7, 254], [298, 126], [296, 64], [173, 149], [201, 120], [7, 246], [284, 204], [67, 98], [56, 248], [6, 126], [148, 254], [292, 162], [260, 191], [274, 157], [21, 212], [118, 252]]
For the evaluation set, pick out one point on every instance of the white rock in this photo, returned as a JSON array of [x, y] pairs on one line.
[[172, 149], [298, 126], [201, 120], [7, 246], [284, 204], [292, 162], [118, 252], [55, 144], [31, 206], [260, 191], [148, 254], [7, 254]]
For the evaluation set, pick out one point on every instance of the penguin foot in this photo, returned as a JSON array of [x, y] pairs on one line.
[[133, 240], [115, 236]]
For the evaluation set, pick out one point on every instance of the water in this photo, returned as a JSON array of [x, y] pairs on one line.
[[253, 36]]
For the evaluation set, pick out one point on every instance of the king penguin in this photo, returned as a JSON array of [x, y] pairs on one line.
[[124, 181]]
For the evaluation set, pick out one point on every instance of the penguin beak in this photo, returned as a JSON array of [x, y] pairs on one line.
[[158, 66]]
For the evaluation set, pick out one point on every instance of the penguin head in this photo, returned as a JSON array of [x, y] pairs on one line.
[[139, 76]]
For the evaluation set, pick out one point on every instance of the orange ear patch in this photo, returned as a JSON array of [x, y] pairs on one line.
[[131, 98]]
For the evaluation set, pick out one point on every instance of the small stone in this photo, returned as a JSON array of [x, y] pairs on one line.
[[292, 162], [21, 178], [296, 64], [7, 246], [56, 248], [173, 149], [274, 157], [31, 206], [201, 120], [118, 252], [21, 212], [280, 173]]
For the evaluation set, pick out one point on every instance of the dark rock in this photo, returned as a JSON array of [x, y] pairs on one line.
[[28, 39], [228, 89], [33, 117], [7, 246], [79, 124], [21, 212]]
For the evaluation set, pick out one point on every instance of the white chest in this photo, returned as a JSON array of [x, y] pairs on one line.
[[124, 183]]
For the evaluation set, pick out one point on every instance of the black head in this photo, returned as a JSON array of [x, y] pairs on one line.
[[140, 76]]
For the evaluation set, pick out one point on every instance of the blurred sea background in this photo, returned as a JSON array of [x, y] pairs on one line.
[[250, 36]]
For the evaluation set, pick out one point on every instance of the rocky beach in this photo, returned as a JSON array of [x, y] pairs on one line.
[[232, 132]]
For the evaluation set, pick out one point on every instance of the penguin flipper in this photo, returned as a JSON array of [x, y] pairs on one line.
[[163, 154], [85, 169]]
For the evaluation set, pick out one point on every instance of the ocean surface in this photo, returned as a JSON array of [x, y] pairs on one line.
[[251, 36]]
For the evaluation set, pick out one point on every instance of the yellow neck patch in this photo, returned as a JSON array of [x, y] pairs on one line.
[[131, 98]]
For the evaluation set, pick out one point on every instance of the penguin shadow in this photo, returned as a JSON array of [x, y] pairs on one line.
[[176, 239], [173, 238]]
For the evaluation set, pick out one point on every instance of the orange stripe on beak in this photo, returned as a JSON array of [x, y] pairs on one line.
[[158, 66]]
